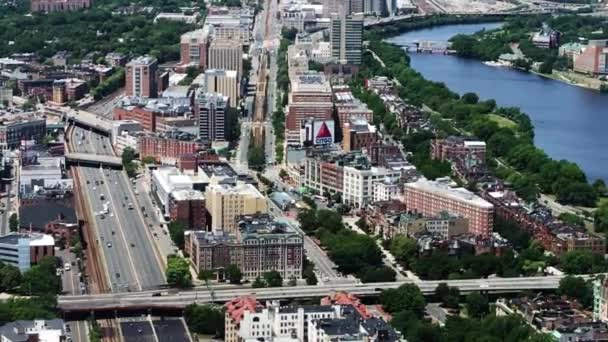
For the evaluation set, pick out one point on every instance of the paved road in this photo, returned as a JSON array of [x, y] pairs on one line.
[[127, 245], [154, 219], [171, 330], [79, 331], [105, 106]]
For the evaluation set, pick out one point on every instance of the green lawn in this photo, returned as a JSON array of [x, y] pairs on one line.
[[501, 121]]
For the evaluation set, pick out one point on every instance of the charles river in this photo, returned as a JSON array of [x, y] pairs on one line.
[[570, 122]]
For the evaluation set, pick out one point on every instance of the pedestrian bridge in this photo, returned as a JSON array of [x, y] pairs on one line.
[[92, 159], [89, 120]]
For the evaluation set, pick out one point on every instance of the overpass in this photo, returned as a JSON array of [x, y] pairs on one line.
[[93, 159], [369, 22], [89, 120], [161, 299]]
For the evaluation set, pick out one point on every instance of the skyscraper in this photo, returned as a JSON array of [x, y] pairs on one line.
[[346, 37], [224, 82], [225, 54], [193, 48], [141, 77], [210, 110]]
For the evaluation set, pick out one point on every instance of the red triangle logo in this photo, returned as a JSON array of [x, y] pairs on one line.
[[324, 132]]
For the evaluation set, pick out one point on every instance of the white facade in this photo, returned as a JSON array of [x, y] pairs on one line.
[[385, 190], [120, 126], [123, 141], [358, 184], [165, 181], [283, 322]]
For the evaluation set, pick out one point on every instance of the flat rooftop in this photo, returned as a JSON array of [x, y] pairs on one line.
[[442, 188]]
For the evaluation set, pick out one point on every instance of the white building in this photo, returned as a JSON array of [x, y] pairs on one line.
[[358, 183], [166, 180], [386, 189], [124, 140], [39, 330], [120, 126]]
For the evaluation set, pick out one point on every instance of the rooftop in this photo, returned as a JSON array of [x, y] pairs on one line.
[[187, 195], [443, 188], [310, 82], [142, 60]]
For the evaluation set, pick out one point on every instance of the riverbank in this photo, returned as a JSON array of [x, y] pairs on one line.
[[557, 75], [531, 171]]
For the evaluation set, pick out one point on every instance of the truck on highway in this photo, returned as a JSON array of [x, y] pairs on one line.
[[106, 208]]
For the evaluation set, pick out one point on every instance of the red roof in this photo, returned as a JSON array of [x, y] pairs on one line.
[[237, 307], [345, 298]]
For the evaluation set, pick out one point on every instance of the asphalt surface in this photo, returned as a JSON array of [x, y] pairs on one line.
[[137, 331], [78, 331], [127, 248], [171, 330]]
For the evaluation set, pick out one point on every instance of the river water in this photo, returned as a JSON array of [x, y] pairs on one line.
[[570, 122]]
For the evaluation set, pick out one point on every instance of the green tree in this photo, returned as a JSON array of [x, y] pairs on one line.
[[470, 98], [577, 288], [178, 272], [205, 319], [600, 187], [582, 262], [148, 160], [10, 278], [600, 218], [572, 219], [234, 274], [309, 275], [406, 297], [477, 305], [373, 274], [128, 155], [176, 232], [403, 248], [258, 283], [41, 279], [13, 222], [273, 279]]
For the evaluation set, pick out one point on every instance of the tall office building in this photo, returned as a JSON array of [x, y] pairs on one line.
[[141, 77], [210, 110], [377, 7], [337, 6], [225, 54], [225, 82], [346, 37], [193, 48], [227, 202]]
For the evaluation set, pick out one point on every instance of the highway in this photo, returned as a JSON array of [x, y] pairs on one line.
[[130, 256], [145, 299]]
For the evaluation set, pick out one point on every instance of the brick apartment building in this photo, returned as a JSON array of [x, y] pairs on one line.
[[146, 118], [594, 59], [188, 208], [358, 134], [141, 77], [431, 198], [193, 48], [258, 245], [453, 148], [166, 149]]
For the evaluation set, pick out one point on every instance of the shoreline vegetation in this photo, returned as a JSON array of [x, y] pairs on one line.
[[512, 155], [514, 41]]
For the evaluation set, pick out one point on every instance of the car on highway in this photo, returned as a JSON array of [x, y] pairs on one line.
[[132, 244], [109, 244]]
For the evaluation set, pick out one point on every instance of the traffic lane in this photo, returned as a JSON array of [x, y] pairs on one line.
[[142, 234], [152, 271], [113, 248], [140, 331], [78, 331], [171, 330], [154, 219]]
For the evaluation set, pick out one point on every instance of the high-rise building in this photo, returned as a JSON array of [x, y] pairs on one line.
[[346, 38], [225, 54], [376, 7], [210, 111], [224, 82], [227, 202], [310, 98], [193, 48], [140, 77]]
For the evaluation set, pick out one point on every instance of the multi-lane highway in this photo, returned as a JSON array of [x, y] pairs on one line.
[[150, 299], [126, 246]]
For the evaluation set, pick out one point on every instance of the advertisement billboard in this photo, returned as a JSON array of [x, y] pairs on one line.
[[318, 132]]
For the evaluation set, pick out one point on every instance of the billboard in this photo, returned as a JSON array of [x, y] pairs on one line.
[[318, 132]]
